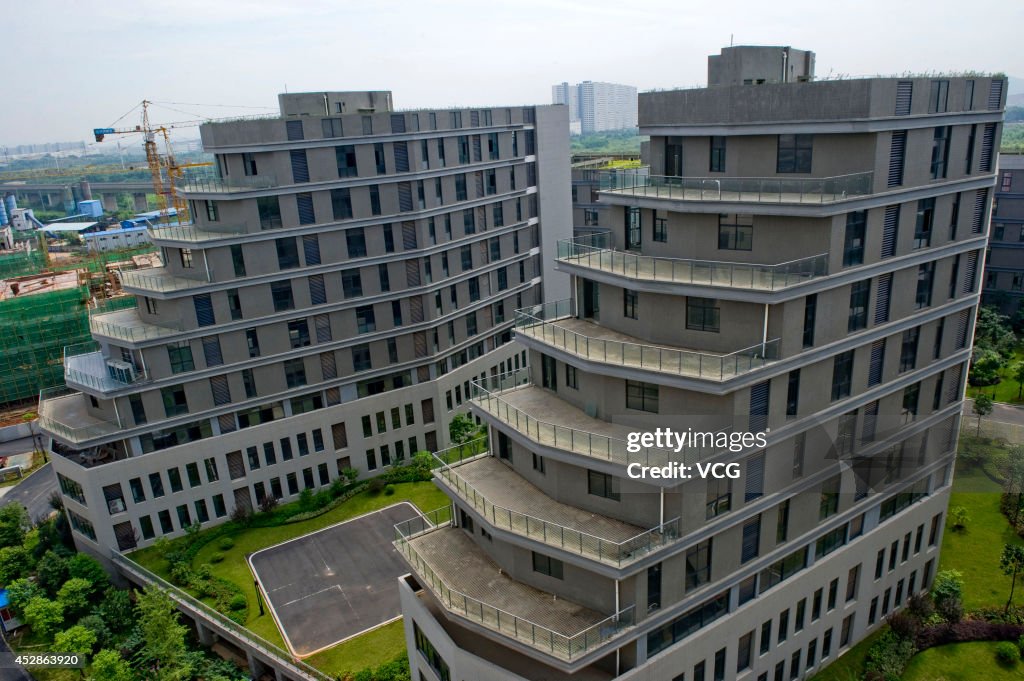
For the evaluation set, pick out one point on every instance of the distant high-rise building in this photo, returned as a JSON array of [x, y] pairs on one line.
[[597, 106], [1004, 267]]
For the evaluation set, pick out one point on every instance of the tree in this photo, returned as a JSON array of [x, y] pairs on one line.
[[992, 330], [1018, 375], [1013, 478], [74, 596], [108, 665], [14, 524], [163, 649], [1011, 563], [21, 591], [44, 616], [982, 407], [947, 592], [52, 571], [960, 518], [14, 562], [86, 567], [116, 609], [462, 429], [77, 639]]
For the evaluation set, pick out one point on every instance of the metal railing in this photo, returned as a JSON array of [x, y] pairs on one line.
[[196, 233], [539, 322], [220, 185], [159, 279], [487, 395], [617, 553], [459, 453], [197, 607], [563, 646], [105, 324], [50, 401], [85, 364], [587, 251], [813, 190]]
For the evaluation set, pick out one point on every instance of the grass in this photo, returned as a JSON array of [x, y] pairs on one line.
[[372, 649], [962, 662], [1007, 390], [235, 568], [37, 462], [849, 667]]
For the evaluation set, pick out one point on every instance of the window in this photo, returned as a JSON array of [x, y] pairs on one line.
[[735, 232], [938, 98], [298, 333], [940, 151], [629, 303], [842, 375], [331, 127], [702, 314], [859, 293], [829, 502], [355, 242], [341, 203], [174, 400], [211, 210], [180, 356], [375, 200], [351, 283], [361, 357], [908, 349], [793, 393], [642, 396], [719, 497], [365, 321], [571, 379], [923, 225], [698, 564], [186, 257], [660, 234], [717, 161], [794, 154], [287, 254], [810, 315], [295, 372], [346, 157], [269, 211], [238, 260], [281, 294], [853, 247], [925, 276], [603, 485], [911, 397], [633, 228], [546, 565]]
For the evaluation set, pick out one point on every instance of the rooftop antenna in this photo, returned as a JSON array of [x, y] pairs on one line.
[[730, 40]]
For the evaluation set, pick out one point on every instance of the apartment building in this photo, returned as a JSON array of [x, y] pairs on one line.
[[349, 270], [597, 106], [802, 261], [589, 174], [1004, 266]]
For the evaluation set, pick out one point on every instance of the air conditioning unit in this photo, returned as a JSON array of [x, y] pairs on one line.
[[122, 372]]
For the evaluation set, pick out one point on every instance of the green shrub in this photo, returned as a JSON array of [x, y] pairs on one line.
[[1020, 645], [377, 485], [226, 543], [237, 602], [1007, 653], [216, 557], [389, 490], [888, 656]]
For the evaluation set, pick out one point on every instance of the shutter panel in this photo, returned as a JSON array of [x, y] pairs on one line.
[[211, 351], [397, 122], [478, 181], [754, 484], [953, 386], [125, 535], [416, 309], [311, 249], [420, 342], [759, 406], [995, 93], [404, 197], [304, 204], [978, 221], [317, 292], [904, 95], [882, 297], [412, 273], [971, 273], [481, 219], [751, 539], [236, 469], [867, 433], [300, 166], [328, 365], [294, 130], [220, 389], [988, 141], [322, 323], [339, 435], [961, 329], [474, 119], [427, 407], [243, 499], [409, 235], [877, 362], [890, 228], [422, 374], [477, 152], [333, 396], [896, 154], [226, 423], [204, 310], [401, 157]]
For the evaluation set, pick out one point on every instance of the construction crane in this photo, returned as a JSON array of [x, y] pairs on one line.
[[164, 170]]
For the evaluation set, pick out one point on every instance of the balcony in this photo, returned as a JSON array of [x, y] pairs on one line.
[[195, 233], [85, 366], [158, 280], [211, 184], [510, 503], [554, 324], [63, 414], [126, 325], [591, 253], [801, 191], [511, 399], [444, 556]]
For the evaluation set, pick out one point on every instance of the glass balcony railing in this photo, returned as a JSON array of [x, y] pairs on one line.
[[616, 553], [208, 184], [197, 233], [85, 365], [555, 324], [803, 190], [126, 325], [158, 279], [564, 646], [589, 251], [495, 396], [62, 412]]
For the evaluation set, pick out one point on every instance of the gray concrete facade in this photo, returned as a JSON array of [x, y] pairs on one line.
[[1004, 266]]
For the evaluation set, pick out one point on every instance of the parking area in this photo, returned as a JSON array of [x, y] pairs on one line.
[[335, 583]]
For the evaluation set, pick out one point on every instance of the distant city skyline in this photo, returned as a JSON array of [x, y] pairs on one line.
[[216, 59]]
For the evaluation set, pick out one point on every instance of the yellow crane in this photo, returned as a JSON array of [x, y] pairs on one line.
[[164, 170]]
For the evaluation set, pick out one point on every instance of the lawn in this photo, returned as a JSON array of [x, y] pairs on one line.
[[849, 667], [962, 662], [382, 645], [1007, 389]]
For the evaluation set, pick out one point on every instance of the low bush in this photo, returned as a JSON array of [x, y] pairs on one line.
[[376, 485], [888, 657], [226, 543], [389, 490], [237, 602], [216, 557], [1007, 653]]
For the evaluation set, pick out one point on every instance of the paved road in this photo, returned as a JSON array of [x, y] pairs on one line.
[[34, 494], [19, 446], [1004, 413], [16, 674]]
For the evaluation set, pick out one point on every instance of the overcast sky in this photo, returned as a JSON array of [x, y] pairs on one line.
[[80, 64]]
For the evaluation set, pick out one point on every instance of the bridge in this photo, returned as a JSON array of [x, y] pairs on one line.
[[57, 194]]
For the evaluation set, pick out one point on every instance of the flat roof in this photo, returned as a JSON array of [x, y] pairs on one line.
[[119, 230], [68, 226]]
